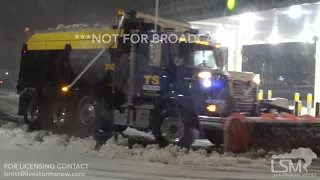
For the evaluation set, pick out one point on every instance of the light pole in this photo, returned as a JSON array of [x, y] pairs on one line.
[[317, 69], [156, 14]]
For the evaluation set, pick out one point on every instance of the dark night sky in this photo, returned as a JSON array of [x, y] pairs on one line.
[[42, 14]]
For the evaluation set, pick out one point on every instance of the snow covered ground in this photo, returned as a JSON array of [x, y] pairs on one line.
[[8, 101], [116, 161]]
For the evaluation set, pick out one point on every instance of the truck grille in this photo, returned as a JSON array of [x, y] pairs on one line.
[[241, 103]]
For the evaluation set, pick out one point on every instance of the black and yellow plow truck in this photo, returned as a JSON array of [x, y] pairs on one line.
[[146, 72]]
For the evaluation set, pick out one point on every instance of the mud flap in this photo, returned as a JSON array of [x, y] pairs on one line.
[[24, 100], [23, 104]]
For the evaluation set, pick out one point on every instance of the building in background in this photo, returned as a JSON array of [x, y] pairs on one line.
[[284, 68]]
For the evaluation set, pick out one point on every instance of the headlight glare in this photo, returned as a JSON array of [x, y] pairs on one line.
[[207, 83], [256, 79]]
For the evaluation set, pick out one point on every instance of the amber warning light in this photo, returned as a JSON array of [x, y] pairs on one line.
[[204, 75], [212, 108], [65, 89], [120, 12]]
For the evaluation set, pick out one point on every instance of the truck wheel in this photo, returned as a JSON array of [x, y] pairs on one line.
[[36, 114], [61, 117], [93, 117], [32, 114], [172, 130]]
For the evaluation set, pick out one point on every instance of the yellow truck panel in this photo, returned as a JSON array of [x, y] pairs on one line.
[[84, 39]]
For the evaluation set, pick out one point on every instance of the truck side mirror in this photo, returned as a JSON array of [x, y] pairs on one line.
[[176, 50], [177, 61], [155, 53]]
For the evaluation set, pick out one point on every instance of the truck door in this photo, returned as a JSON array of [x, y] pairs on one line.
[[150, 76]]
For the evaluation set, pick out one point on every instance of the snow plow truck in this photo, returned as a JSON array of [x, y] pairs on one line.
[[102, 80]]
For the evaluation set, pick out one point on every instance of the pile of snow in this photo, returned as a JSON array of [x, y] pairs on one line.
[[136, 133], [119, 149]]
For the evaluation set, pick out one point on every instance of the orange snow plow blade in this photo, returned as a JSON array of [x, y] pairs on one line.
[[241, 133], [269, 132]]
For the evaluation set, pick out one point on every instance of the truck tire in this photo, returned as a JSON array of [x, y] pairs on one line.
[[32, 114], [36, 114], [62, 118], [172, 130], [93, 118]]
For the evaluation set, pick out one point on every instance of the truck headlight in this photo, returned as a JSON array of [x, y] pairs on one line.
[[204, 75], [256, 79], [207, 83]]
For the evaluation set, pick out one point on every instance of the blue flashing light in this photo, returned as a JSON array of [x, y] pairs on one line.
[[217, 84]]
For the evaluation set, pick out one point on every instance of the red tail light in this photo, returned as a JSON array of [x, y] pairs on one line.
[[1, 82]]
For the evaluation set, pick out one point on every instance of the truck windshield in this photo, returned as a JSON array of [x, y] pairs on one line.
[[195, 55], [201, 56]]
